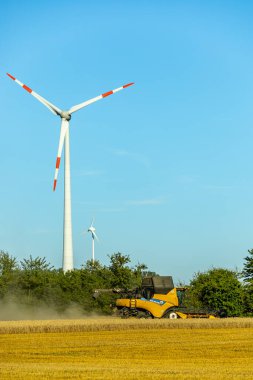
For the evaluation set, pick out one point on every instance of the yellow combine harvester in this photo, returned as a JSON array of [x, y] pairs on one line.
[[157, 298]]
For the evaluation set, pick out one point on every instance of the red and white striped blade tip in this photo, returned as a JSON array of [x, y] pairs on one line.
[[55, 182], [9, 75], [25, 87], [128, 84], [105, 94]]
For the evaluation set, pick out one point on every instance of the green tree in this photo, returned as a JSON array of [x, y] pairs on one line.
[[248, 299], [139, 272], [247, 272], [36, 283], [122, 274], [8, 263], [34, 278], [217, 289], [37, 264], [8, 274]]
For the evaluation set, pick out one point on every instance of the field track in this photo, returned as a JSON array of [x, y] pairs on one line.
[[108, 348]]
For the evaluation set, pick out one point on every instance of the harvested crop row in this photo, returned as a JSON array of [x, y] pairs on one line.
[[111, 324]]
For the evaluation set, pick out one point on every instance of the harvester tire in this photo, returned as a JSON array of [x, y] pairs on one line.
[[172, 315], [144, 315], [124, 313]]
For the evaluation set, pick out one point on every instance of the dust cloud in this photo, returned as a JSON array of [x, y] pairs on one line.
[[14, 311]]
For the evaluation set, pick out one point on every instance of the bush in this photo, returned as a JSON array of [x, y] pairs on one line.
[[217, 290]]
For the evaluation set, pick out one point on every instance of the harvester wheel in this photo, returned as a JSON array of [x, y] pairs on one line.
[[124, 313], [144, 315], [172, 315], [149, 315]]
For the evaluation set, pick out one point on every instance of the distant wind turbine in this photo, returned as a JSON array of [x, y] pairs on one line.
[[92, 230], [64, 138]]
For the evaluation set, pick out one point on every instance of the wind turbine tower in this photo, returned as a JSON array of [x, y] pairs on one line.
[[64, 138], [92, 230]]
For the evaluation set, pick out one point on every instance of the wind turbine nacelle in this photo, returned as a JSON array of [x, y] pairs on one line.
[[65, 115]]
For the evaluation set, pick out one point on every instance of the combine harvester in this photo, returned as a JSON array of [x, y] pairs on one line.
[[156, 298]]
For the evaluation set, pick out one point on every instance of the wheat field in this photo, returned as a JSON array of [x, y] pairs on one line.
[[110, 348]]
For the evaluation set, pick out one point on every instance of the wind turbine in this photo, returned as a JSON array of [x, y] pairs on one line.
[[92, 230], [64, 138]]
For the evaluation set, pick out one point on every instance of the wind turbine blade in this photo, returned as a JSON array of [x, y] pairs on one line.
[[46, 103], [93, 100], [95, 236], [64, 127]]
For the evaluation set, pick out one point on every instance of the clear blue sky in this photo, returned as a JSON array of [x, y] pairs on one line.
[[165, 166]]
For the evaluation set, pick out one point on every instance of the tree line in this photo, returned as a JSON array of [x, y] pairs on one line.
[[35, 283]]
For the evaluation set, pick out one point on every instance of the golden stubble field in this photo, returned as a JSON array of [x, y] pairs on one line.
[[110, 348]]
